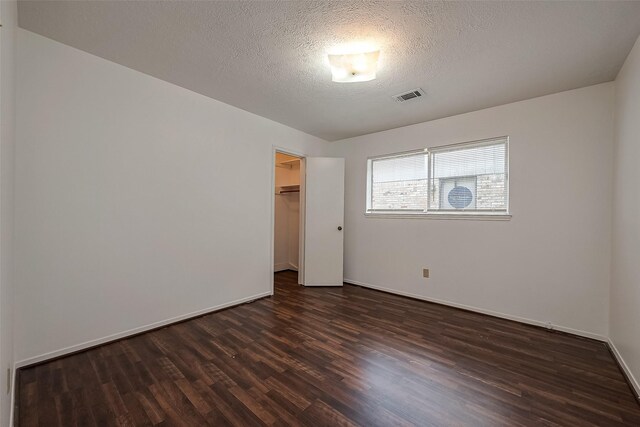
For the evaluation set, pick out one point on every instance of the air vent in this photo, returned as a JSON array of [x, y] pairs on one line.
[[408, 96]]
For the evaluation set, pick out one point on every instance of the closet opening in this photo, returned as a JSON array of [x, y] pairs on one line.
[[288, 216]]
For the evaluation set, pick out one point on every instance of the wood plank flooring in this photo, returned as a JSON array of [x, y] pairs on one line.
[[330, 357]]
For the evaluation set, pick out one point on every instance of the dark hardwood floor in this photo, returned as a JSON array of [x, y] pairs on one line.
[[333, 356]]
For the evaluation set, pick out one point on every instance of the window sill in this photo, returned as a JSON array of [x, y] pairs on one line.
[[447, 215]]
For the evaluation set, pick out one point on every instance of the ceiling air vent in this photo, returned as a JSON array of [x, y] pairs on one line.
[[407, 96]]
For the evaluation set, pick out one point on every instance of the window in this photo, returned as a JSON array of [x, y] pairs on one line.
[[399, 183], [469, 178]]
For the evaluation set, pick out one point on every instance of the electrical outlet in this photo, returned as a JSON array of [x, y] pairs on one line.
[[425, 273]]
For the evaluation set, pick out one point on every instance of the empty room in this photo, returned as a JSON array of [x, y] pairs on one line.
[[319, 213]]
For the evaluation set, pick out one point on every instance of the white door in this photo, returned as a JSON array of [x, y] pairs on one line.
[[323, 218]]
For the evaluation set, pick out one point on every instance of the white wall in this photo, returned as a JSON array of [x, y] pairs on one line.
[[8, 17], [625, 283], [549, 263], [129, 208]]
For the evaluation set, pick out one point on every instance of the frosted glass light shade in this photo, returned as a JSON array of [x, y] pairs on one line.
[[354, 67]]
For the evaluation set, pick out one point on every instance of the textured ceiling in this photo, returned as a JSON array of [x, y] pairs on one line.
[[269, 57]]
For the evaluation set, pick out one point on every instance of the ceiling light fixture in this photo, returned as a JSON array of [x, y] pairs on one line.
[[354, 67]]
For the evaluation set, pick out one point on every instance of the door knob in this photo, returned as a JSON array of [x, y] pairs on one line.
[[339, 228]]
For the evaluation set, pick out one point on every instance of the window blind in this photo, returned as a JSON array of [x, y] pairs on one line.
[[462, 178], [399, 183], [469, 177]]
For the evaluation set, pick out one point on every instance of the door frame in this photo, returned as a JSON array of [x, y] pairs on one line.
[[272, 197]]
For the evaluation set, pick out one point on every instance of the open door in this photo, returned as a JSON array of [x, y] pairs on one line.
[[323, 221]]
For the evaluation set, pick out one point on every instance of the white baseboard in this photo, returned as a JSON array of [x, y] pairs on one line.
[[635, 385], [484, 311], [318, 285], [281, 266], [134, 331]]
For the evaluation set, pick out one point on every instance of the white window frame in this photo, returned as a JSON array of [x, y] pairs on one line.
[[427, 213]]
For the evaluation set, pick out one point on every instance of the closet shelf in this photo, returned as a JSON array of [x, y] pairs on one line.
[[283, 189], [288, 164]]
